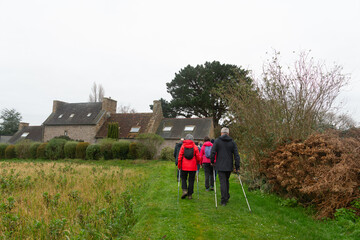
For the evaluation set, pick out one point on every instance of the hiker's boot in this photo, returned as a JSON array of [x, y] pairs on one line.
[[190, 196], [184, 193]]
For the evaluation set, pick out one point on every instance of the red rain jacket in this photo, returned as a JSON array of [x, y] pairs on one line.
[[185, 164]]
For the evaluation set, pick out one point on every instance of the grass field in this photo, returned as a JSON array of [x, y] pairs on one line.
[[138, 200]]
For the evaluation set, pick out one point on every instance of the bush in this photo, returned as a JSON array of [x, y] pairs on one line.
[[120, 149], [105, 148], [40, 152], [167, 153], [133, 148], [55, 149], [148, 145], [33, 149], [93, 152], [70, 149], [81, 150], [3, 146], [22, 149], [10, 152], [113, 130]]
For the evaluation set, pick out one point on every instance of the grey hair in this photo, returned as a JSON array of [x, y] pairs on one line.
[[225, 130], [189, 137]]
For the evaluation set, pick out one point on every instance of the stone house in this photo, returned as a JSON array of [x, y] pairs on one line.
[[80, 121], [33, 133]]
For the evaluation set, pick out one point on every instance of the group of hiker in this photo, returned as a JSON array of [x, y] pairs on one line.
[[213, 156]]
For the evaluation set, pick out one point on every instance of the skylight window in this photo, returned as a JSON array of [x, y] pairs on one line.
[[135, 129], [60, 116], [189, 128], [89, 114], [72, 115], [24, 134], [167, 129]]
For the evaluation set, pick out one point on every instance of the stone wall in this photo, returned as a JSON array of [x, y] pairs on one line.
[[109, 105], [79, 132]]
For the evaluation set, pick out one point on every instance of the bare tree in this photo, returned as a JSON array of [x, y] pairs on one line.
[[126, 109], [97, 93]]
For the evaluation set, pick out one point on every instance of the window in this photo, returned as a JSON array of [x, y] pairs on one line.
[[189, 128], [72, 115], [60, 116], [65, 133], [89, 114], [167, 129], [24, 134], [135, 129]]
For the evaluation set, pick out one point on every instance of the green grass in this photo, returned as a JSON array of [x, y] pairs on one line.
[[156, 211]]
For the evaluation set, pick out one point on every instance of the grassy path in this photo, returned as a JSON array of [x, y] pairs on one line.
[[162, 216]]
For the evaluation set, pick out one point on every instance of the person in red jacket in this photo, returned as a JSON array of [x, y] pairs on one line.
[[205, 154], [188, 159]]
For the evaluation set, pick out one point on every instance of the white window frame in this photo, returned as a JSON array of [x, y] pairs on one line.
[[135, 129], [72, 115], [61, 115], [25, 134], [167, 129], [89, 114], [189, 128]]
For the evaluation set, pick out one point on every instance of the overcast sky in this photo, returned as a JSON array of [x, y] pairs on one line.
[[56, 49]]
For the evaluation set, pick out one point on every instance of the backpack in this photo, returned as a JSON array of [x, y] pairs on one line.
[[208, 151], [188, 153]]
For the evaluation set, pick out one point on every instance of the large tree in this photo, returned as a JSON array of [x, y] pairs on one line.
[[97, 93], [195, 90], [11, 119]]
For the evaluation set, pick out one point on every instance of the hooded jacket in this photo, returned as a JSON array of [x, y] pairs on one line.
[[176, 152], [186, 164], [225, 151], [203, 158]]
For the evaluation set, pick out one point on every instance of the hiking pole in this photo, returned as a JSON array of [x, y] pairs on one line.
[[215, 188], [197, 181], [178, 184], [244, 192]]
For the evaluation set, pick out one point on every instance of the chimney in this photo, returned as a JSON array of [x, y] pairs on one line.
[[157, 109], [23, 125], [109, 105], [156, 118], [56, 105]]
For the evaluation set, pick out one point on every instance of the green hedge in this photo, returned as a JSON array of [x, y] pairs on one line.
[[3, 146], [10, 152], [105, 148], [120, 149], [33, 149], [93, 152], [81, 150], [148, 145], [133, 148], [167, 153], [22, 148], [40, 152], [55, 149], [70, 149]]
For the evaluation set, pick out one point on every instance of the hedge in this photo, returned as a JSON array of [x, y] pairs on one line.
[[93, 152], [148, 145], [40, 152], [55, 149], [167, 153], [105, 148], [133, 147], [120, 149], [70, 149], [3, 146], [10, 152], [81, 150], [22, 149]]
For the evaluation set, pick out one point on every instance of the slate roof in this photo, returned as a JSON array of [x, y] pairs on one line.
[[34, 133], [80, 111], [202, 127], [126, 121]]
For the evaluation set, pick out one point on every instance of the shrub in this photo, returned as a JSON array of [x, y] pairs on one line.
[[167, 153], [22, 149], [93, 152], [55, 148], [105, 148], [10, 152], [148, 145], [3, 146], [81, 149], [33, 149], [120, 149], [133, 148], [113, 130], [40, 152], [70, 149]]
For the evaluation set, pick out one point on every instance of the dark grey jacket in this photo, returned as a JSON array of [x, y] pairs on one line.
[[225, 151], [176, 152]]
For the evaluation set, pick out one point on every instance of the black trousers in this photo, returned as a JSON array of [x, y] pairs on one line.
[[209, 175], [188, 175], [224, 185]]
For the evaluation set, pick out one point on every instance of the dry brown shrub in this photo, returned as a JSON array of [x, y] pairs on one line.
[[323, 171]]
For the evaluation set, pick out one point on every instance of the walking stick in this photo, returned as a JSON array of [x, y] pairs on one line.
[[215, 188], [244, 192], [197, 182], [178, 184]]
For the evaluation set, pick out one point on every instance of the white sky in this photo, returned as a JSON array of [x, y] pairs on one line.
[[57, 49]]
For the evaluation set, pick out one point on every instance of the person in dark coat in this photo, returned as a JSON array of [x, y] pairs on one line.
[[177, 150], [225, 151]]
